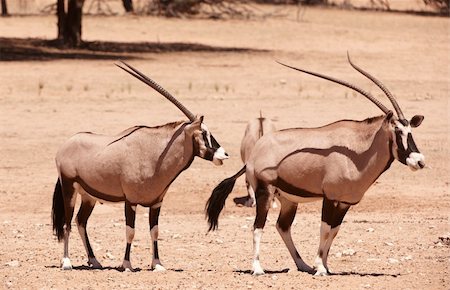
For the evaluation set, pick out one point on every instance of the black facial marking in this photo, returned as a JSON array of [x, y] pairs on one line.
[[214, 143], [401, 151], [411, 144]]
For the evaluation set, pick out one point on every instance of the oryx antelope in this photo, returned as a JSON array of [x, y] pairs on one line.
[[255, 129], [135, 166], [335, 163]]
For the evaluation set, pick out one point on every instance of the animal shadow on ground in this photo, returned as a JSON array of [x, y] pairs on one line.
[[266, 271], [118, 269], [353, 273], [345, 273], [38, 49], [87, 268]]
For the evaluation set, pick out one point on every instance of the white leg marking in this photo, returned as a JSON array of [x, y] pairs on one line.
[[256, 267], [130, 234], [156, 263], [333, 233], [66, 264], [324, 235]]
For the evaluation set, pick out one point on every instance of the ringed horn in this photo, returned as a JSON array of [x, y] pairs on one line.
[[140, 76]]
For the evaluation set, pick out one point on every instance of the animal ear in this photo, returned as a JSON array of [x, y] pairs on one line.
[[195, 125], [389, 115], [201, 118], [416, 121]]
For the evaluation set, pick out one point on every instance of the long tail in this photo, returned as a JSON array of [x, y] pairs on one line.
[[216, 201], [58, 211]]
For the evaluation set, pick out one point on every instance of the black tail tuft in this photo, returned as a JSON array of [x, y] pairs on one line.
[[58, 211], [216, 202]]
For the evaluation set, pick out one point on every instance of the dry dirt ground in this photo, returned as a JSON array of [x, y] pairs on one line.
[[394, 232]]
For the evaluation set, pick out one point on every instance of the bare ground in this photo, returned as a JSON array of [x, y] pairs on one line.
[[394, 231]]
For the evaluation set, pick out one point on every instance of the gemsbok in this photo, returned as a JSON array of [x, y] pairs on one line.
[[136, 167], [335, 163], [256, 128]]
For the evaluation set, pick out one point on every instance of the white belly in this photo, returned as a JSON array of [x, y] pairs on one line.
[[297, 199]]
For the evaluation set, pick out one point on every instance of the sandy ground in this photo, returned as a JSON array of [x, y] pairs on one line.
[[394, 232]]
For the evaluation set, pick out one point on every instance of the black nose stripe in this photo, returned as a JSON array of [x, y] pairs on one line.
[[411, 144]]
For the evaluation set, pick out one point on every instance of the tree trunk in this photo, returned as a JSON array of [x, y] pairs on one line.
[[4, 8], [128, 5], [61, 13], [72, 30]]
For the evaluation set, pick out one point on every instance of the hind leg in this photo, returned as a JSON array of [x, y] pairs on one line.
[[263, 198], [69, 198], [87, 205], [285, 219]]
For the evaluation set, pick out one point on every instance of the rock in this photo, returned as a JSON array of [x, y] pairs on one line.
[[9, 284], [338, 255], [389, 244], [219, 241], [370, 230], [176, 236], [109, 256], [117, 225], [13, 263], [348, 252], [283, 81], [393, 261], [406, 258], [445, 239]]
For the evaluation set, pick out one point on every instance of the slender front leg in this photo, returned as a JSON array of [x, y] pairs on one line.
[[263, 198], [285, 219], [153, 221], [130, 217], [333, 213]]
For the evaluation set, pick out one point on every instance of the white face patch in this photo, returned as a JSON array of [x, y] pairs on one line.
[[219, 155], [415, 160], [405, 131], [208, 134]]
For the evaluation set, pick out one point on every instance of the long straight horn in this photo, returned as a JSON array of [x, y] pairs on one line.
[[380, 85], [140, 76], [348, 85]]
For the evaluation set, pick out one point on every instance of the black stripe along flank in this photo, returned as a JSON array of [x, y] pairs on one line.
[[291, 189]]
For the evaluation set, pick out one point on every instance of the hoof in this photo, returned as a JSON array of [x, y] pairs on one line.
[[66, 264], [244, 201], [258, 272], [94, 264], [158, 268], [126, 267], [321, 273]]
